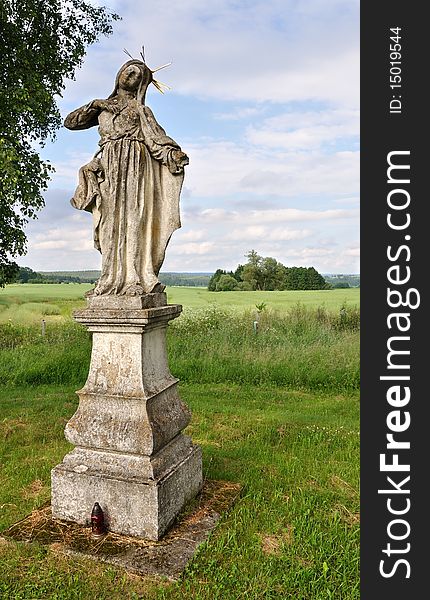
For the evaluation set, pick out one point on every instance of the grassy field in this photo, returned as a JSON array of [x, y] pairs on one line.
[[21, 303], [276, 411], [198, 297]]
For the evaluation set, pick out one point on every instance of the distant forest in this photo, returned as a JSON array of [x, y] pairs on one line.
[[27, 275], [338, 280]]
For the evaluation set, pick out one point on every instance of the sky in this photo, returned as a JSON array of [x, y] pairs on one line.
[[264, 99]]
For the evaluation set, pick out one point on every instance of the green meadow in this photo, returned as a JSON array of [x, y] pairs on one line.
[[22, 302], [275, 409]]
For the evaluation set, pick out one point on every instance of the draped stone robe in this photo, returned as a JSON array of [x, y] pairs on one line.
[[132, 187]]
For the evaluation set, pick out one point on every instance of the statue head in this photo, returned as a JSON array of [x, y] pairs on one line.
[[134, 76]]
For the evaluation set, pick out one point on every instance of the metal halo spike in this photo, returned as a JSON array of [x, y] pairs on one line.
[[160, 86], [128, 53], [162, 67]]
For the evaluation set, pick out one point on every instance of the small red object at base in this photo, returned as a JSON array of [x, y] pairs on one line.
[[97, 521]]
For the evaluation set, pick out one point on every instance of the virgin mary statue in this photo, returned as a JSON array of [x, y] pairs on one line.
[[131, 186]]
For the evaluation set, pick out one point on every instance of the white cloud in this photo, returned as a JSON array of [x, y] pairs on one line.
[[191, 236], [254, 233], [311, 252], [194, 248], [239, 113], [224, 168], [62, 233], [352, 251], [345, 201], [66, 171], [279, 82], [277, 50], [50, 245], [298, 131], [283, 215], [324, 259], [67, 236]]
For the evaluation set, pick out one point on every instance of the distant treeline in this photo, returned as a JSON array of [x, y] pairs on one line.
[[27, 275], [263, 273], [266, 273], [343, 281], [187, 279]]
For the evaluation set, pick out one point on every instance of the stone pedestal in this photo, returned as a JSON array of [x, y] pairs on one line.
[[130, 456]]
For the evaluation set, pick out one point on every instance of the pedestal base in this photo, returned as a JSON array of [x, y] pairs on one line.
[[167, 558], [138, 507], [131, 455]]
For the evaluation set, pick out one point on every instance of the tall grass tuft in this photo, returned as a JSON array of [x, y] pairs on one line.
[[304, 348], [28, 357]]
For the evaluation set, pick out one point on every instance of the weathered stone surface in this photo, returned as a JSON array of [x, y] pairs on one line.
[[129, 466], [132, 185], [136, 506], [126, 423], [127, 302], [130, 454]]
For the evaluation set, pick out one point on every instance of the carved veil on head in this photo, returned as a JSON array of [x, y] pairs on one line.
[[147, 76], [146, 79]]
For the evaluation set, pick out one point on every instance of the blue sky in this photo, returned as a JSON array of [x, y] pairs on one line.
[[264, 99]]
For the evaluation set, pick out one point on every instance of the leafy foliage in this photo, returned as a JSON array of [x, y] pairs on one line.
[[43, 42], [266, 273], [226, 283], [215, 278]]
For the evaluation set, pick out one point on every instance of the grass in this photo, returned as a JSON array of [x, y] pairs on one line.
[[292, 534], [26, 292], [13, 299], [276, 411], [200, 297], [299, 349], [25, 304]]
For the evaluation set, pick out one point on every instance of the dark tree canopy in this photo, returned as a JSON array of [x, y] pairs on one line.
[[226, 283], [42, 44], [266, 273], [214, 279]]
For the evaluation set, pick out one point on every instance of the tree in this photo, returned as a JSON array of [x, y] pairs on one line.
[[226, 283], [316, 281], [263, 273], [42, 42], [214, 279], [238, 274], [25, 274], [302, 278], [266, 273], [273, 274], [251, 272], [244, 286]]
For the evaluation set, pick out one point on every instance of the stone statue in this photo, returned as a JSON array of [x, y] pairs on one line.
[[130, 454], [131, 186]]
